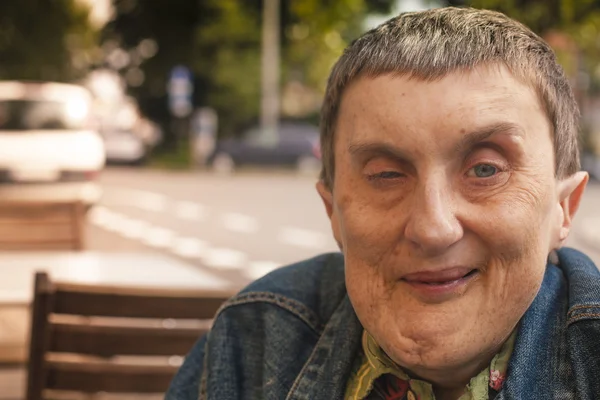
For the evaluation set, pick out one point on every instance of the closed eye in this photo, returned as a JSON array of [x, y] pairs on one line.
[[386, 175]]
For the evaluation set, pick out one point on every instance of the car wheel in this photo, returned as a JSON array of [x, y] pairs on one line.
[[222, 163], [306, 165]]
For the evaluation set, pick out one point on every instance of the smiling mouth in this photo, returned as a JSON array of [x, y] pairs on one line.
[[435, 287], [443, 281], [440, 278]]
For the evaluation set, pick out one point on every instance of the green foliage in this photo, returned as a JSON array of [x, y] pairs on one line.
[[45, 40], [543, 15], [227, 54], [314, 33], [221, 41], [318, 37], [170, 24], [577, 20], [174, 159]]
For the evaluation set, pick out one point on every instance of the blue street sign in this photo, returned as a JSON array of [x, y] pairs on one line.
[[180, 89]]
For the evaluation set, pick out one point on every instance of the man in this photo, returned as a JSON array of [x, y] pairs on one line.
[[451, 177]]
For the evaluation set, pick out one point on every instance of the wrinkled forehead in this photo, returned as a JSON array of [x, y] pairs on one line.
[[495, 73], [494, 84], [392, 106]]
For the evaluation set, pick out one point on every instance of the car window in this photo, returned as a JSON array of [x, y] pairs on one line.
[[42, 115], [253, 136], [298, 133], [257, 138]]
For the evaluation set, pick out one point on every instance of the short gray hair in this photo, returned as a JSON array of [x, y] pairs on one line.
[[431, 44]]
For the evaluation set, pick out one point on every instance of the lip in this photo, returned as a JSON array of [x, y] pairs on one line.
[[441, 285], [440, 276]]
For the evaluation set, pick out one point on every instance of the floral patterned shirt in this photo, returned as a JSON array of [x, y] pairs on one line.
[[377, 377]]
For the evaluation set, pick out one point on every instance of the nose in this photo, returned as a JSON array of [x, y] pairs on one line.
[[432, 225]]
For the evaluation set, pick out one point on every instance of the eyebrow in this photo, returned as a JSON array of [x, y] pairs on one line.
[[466, 142], [486, 132], [366, 150]]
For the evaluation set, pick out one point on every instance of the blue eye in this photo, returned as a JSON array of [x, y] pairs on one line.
[[483, 171]]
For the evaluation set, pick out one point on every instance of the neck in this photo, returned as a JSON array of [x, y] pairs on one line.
[[448, 393], [451, 384]]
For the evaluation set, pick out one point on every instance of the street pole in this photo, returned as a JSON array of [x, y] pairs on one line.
[[269, 118]]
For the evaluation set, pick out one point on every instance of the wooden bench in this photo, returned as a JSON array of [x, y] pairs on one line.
[[37, 225], [90, 339], [34, 226]]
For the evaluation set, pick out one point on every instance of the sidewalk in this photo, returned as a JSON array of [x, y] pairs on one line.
[[14, 319]]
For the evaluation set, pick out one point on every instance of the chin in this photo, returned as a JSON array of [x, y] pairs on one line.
[[419, 355], [428, 340]]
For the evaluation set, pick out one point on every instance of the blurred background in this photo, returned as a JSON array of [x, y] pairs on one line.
[[182, 138], [189, 127]]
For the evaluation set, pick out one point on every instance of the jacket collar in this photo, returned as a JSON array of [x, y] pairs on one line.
[[326, 373], [539, 365], [583, 278]]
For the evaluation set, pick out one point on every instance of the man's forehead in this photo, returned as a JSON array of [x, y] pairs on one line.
[[471, 101], [494, 81], [396, 121]]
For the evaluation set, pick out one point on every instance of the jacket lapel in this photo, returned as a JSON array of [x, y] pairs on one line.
[[325, 374], [539, 368]]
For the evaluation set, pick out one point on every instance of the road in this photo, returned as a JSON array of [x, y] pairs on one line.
[[238, 227]]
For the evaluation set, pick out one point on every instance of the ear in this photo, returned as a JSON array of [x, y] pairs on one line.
[[326, 196], [570, 192]]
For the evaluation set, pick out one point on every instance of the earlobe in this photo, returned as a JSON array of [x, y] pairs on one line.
[[570, 192], [326, 196]]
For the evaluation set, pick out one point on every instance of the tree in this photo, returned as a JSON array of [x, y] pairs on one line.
[[572, 26], [540, 15], [314, 33], [150, 37], [220, 40], [45, 40]]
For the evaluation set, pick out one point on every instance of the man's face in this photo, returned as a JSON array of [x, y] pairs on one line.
[[445, 205]]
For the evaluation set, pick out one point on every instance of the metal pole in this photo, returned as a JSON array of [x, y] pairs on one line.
[[269, 118]]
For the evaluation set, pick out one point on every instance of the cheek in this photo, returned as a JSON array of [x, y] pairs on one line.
[[366, 218], [367, 231], [369, 240], [516, 221], [371, 295], [512, 282], [516, 230]]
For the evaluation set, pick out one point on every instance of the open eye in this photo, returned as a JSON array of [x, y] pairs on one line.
[[482, 171]]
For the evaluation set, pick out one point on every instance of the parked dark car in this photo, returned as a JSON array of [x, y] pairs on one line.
[[590, 162], [297, 146]]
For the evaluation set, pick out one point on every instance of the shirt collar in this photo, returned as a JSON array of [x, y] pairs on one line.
[[377, 363]]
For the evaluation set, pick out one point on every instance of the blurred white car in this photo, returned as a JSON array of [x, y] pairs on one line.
[[49, 149], [133, 145]]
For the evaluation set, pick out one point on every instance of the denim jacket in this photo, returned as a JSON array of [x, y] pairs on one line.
[[293, 335]]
